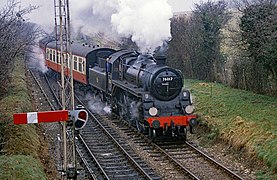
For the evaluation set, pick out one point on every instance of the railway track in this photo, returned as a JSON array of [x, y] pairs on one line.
[[197, 161], [115, 160], [45, 95], [103, 155], [46, 100], [111, 153], [111, 149], [179, 155]]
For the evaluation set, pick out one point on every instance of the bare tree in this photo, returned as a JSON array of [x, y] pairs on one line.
[[16, 35]]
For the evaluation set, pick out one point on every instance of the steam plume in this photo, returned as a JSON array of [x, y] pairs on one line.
[[36, 59], [96, 105], [145, 21]]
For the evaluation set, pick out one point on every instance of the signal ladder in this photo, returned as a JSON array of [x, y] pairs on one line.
[[68, 165]]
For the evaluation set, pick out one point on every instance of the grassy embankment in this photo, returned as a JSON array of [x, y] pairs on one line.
[[245, 120], [19, 156]]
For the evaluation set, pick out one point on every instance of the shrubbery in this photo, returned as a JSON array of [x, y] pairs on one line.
[[235, 47]]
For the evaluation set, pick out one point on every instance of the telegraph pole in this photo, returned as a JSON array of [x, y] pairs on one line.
[[63, 43]]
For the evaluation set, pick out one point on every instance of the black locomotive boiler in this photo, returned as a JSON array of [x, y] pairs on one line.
[[141, 89]]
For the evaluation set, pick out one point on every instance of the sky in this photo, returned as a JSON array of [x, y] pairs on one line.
[[182, 5], [114, 18], [46, 8]]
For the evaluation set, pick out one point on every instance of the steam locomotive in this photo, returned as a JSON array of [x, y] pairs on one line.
[[140, 88]]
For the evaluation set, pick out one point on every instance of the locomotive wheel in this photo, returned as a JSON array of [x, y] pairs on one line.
[[191, 129], [184, 136], [139, 126], [152, 134], [124, 114], [124, 108]]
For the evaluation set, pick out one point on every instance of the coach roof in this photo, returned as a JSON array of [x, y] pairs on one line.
[[76, 48]]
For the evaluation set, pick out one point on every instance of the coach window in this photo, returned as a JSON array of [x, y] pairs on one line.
[[51, 55], [66, 59], [69, 60], [75, 63], [47, 53], [84, 66], [80, 64], [54, 56], [59, 58]]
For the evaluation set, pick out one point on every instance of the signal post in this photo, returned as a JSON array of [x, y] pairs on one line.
[[63, 41], [75, 118]]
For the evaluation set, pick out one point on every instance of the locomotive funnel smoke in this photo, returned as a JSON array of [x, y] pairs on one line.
[[145, 21]]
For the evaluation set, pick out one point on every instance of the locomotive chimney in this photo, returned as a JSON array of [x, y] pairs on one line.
[[160, 59]]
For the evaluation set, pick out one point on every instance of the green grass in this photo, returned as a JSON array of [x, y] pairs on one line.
[[20, 153], [21, 167], [245, 120]]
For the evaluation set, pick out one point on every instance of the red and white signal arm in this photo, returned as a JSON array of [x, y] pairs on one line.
[[81, 117], [39, 117]]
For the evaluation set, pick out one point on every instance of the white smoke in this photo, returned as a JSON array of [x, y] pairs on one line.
[[135, 109], [96, 105], [147, 22], [36, 59], [92, 16]]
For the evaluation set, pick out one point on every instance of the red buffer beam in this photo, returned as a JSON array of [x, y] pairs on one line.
[[39, 117]]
